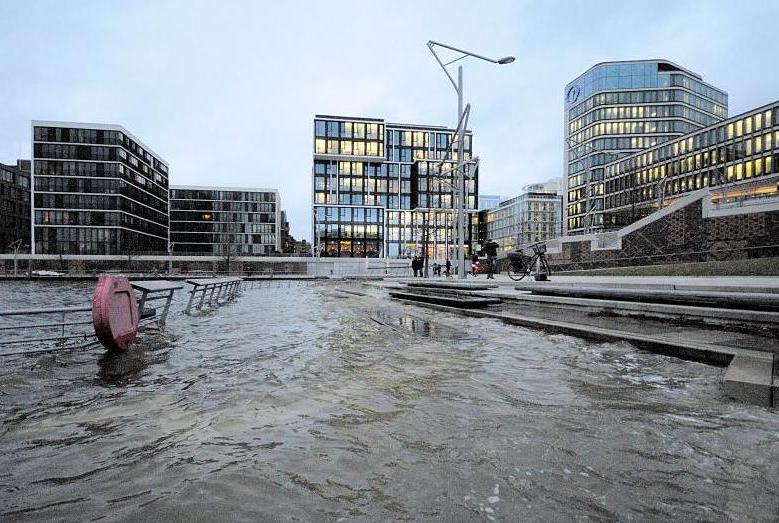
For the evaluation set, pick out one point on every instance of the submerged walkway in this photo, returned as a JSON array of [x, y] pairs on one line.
[[745, 339]]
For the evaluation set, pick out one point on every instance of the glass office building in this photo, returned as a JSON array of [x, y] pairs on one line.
[[614, 110], [96, 189], [384, 190], [737, 159], [15, 205], [221, 221]]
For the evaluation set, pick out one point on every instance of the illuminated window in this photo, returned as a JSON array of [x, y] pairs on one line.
[[769, 165], [320, 146], [758, 121], [748, 125], [739, 127], [730, 131], [729, 172], [359, 130], [767, 139], [739, 171], [332, 147], [373, 148], [748, 170], [758, 167], [758, 144], [346, 147], [358, 149]]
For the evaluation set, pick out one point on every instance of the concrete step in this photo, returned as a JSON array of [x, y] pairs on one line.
[[758, 301], [451, 300], [452, 285], [692, 286], [711, 315]]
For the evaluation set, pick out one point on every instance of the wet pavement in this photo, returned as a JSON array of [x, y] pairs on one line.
[[308, 404]]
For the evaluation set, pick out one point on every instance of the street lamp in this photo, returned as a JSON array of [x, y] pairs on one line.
[[458, 87], [16, 245]]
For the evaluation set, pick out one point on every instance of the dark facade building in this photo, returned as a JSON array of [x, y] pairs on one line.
[[737, 159], [616, 109], [96, 189], [222, 221], [384, 190], [15, 205]]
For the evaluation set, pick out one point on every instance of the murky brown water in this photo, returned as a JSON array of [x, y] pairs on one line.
[[307, 404]]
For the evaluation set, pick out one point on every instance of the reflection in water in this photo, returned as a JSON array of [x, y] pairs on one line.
[[309, 405]]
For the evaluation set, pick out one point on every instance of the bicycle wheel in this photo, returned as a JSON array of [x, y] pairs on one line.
[[517, 271]]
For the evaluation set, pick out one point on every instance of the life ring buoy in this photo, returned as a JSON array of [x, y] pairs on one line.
[[115, 312]]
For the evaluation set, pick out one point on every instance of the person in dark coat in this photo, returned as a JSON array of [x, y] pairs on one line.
[[448, 268], [491, 250]]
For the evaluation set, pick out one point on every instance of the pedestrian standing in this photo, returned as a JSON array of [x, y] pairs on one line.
[[491, 250], [448, 268]]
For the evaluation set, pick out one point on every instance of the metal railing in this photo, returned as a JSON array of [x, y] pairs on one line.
[[218, 288], [51, 334]]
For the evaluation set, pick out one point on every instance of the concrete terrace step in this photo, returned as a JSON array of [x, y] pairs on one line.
[[452, 285], [712, 315], [696, 287], [733, 300], [451, 300]]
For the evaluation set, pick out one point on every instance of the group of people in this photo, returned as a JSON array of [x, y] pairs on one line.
[[418, 266]]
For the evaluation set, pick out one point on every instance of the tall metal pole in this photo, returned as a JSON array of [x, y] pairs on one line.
[[460, 181]]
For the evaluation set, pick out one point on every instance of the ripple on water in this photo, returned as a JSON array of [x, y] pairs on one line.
[[307, 403]]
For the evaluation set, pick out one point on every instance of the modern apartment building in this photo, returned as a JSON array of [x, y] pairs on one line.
[[96, 189], [15, 205], [384, 190], [616, 109], [222, 221], [738, 159], [535, 215]]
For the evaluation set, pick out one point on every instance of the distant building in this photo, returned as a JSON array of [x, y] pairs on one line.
[[381, 189], [96, 189], [616, 109], [225, 221], [488, 201], [532, 216], [15, 205], [302, 248]]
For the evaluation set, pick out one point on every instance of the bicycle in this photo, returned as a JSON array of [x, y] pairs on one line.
[[524, 262]]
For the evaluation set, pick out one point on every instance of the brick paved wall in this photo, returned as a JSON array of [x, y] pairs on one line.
[[682, 236]]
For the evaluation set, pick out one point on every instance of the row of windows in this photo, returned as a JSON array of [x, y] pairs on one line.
[[645, 97], [200, 205], [110, 219], [746, 125], [96, 170], [97, 136], [634, 127], [247, 228], [382, 200], [642, 111], [391, 170], [222, 217], [362, 130], [348, 147], [624, 146], [349, 214], [238, 196], [217, 237], [87, 201]]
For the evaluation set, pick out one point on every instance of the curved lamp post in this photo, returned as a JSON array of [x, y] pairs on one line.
[[458, 86]]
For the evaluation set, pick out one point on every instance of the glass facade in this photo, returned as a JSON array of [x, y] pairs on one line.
[[15, 205], [739, 157], [618, 108], [96, 190], [224, 221], [383, 190]]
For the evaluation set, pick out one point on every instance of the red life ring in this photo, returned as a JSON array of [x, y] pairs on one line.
[[115, 312]]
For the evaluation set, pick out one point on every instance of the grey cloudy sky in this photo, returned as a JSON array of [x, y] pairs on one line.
[[226, 90]]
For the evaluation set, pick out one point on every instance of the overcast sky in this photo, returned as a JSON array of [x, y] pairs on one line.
[[226, 91]]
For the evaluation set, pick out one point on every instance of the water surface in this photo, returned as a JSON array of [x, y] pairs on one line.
[[309, 404]]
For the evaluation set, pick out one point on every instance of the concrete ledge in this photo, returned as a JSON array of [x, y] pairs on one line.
[[749, 379], [453, 285], [710, 315], [742, 300], [453, 301], [745, 287]]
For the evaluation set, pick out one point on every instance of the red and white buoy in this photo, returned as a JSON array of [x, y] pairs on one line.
[[115, 312]]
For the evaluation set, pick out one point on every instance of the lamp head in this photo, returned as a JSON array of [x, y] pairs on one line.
[[506, 60]]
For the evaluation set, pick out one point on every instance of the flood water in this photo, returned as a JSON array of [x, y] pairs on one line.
[[310, 404]]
